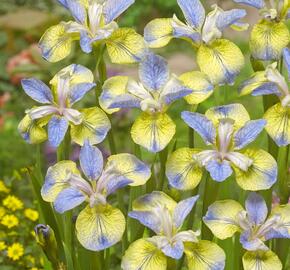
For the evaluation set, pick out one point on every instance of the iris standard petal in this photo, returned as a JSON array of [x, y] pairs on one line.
[[56, 43], [286, 57], [268, 39], [32, 131], [256, 208], [100, 227], [193, 12], [57, 128], [254, 3], [201, 124], [278, 124], [182, 170], [153, 72], [143, 255], [248, 133], [37, 90], [222, 218], [155, 199], [200, 85], [77, 10], [153, 132], [112, 88], [68, 199], [229, 17], [182, 209], [226, 61], [94, 127], [236, 112], [125, 46], [158, 32], [91, 160], [148, 219], [56, 179], [261, 175], [219, 170], [114, 8], [125, 101], [79, 90], [261, 260], [204, 255]]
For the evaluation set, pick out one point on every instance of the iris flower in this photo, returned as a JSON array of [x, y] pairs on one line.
[[165, 217], [99, 225], [270, 35], [94, 25], [68, 86], [218, 58], [225, 218], [227, 130], [157, 89], [267, 82]]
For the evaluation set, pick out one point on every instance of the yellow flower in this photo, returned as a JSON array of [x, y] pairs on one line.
[[15, 251], [34, 268], [10, 221], [13, 203], [2, 212], [2, 245], [31, 214], [3, 188]]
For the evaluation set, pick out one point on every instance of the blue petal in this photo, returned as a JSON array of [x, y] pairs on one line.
[[37, 90], [248, 133], [115, 184], [256, 208], [203, 126], [79, 90], [57, 128], [68, 199], [153, 71], [250, 243], [182, 209], [114, 8], [77, 10], [227, 18], [219, 171], [63, 2], [91, 160], [125, 101], [174, 251], [184, 32], [193, 11], [279, 232], [147, 218], [268, 88], [286, 56], [253, 3], [85, 42]]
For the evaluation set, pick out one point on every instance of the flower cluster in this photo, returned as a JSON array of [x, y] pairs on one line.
[[226, 130]]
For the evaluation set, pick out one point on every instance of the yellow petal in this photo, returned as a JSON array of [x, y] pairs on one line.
[[94, 127], [204, 255], [154, 132], [261, 260], [56, 43], [278, 124], [200, 84], [112, 88], [225, 58], [262, 174], [236, 112], [143, 255], [100, 227], [182, 170], [268, 39], [221, 218], [257, 80], [158, 32], [125, 46], [56, 177]]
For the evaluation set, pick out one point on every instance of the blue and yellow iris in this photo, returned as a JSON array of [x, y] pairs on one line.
[[204, 33], [165, 217], [227, 130], [225, 218], [99, 225], [94, 25], [68, 86]]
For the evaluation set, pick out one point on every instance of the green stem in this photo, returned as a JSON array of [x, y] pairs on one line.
[[193, 108], [217, 95], [283, 176], [162, 159]]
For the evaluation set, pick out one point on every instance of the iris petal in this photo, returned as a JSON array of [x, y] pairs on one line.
[[256, 208], [100, 227], [254, 3], [57, 128], [219, 170], [148, 219], [114, 8], [79, 90], [286, 57]]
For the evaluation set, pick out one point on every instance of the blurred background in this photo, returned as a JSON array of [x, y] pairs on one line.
[[22, 22]]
